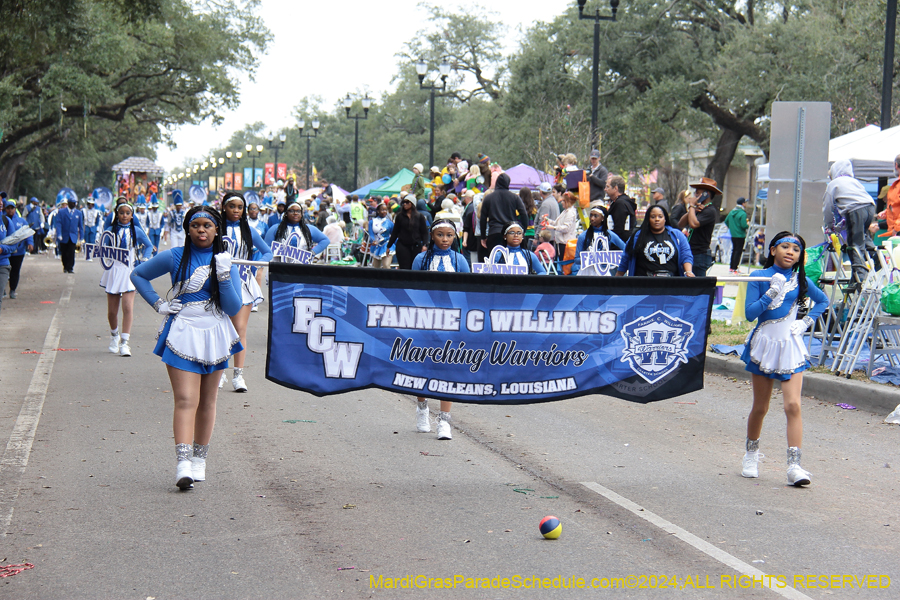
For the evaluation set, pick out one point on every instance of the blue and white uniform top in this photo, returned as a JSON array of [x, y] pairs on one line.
[[771, 349], [196, 339], [603, 241], [449, 261], [320, 240], [250, 290], [259, 225], [117, 279], [525, 258]]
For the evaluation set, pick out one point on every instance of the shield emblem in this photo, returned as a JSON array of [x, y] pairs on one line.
[[656, 345]]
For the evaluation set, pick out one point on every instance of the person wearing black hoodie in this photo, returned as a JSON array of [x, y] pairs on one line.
[[621, 208], [498, 209]]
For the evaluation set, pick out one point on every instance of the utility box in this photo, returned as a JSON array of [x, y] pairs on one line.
[[798, 168]]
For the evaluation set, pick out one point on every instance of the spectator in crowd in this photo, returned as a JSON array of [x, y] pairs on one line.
[[657, 249], [565, 227], [410, 233], [847, 201], [700, 221], [499, 208], [597, 175], [621, 207], [737, 223], [659, 199]]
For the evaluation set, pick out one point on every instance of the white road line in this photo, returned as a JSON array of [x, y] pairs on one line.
[[18, 449], [691, 539]]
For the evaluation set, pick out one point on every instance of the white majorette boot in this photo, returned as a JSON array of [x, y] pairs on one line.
[[223, 380], [796, 475], [237, 380], [114, 343], [423, 417], [198, 462], [443, 427], [750, 464], [184, 477]]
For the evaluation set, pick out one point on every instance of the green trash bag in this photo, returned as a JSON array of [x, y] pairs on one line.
[[815, 262], [890, 299]]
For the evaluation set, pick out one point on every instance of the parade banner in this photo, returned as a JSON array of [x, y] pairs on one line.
[[248, 177], [238, 181], [107, 251], [269, 174], [281, 171], [229, 181], [258, 178], [490, 339]]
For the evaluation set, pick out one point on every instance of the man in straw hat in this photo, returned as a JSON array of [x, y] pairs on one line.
[[700, 220]]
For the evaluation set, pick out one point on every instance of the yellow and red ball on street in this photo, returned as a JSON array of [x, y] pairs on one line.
[[551, 528]]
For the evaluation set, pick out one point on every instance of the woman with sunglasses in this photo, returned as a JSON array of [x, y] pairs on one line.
[[409, 233]]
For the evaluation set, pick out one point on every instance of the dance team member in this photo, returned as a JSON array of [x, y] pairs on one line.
[[439, 256], [245, 243], [311, 239], [117, 279], [657, 249], [196, 338], [775, 348], [599, 230], [513, 235], [380, 229]]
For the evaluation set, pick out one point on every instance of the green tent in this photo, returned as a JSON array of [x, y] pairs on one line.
[[392, 186]]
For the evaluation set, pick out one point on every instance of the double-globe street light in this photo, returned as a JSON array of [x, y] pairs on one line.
[[273, 145], [250, 150], [595, 81], [315, 133], [366, 104], [237, 158], [421, 71]]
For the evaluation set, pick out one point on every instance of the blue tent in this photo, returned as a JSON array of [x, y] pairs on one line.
[[361, 192]]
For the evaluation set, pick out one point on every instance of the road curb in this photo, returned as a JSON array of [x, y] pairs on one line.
[[875, 398]]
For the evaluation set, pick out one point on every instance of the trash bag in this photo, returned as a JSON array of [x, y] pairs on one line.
[[815, 262], [894, 417], [890, 299]]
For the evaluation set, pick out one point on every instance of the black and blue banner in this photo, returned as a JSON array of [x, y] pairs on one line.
[[490, 339]]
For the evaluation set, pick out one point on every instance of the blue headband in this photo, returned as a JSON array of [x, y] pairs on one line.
[[201, 214], [790, 240]]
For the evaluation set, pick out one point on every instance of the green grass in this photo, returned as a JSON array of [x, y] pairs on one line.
[[730, 335]]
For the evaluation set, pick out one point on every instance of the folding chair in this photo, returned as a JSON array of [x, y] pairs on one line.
[[547, 262]]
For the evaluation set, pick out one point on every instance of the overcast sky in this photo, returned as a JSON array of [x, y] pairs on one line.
[[329, 49]]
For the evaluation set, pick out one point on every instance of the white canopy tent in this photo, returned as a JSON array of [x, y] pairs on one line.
[[870, 150]]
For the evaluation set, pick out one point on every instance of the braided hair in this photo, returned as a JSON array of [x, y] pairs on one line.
[[604, 227], [429, 252], [799, 266], [281, 233], [116, 226], [243, 224], [214, 304]]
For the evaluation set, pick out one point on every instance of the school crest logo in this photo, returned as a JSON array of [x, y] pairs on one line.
[[656, 345]]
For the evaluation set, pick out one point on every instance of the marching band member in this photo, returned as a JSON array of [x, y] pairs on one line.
[[175, 218], [117, 279], [311, 239], [439, 256], [92, 219], [775, 348], [599, 229], [244, 242], [196, 337], [513, 234], [380, 228], [156, 222]]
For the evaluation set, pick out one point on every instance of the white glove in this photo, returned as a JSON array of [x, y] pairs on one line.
[[776, 285], [799, 327], [223, 265], [168, 308]]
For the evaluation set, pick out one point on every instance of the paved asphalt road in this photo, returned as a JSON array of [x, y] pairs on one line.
[[350, 494]]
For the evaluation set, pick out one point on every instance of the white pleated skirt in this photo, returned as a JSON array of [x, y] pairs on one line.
[[117, 280]]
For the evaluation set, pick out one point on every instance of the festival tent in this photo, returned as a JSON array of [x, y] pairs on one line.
[[364, 190], [523, 175], [392, 186]]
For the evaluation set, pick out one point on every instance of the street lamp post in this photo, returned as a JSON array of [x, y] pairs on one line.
[[273, 145], [250, 148], [595, 81], [366, 104], [421, 70], [237, 158], [315, 133]]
